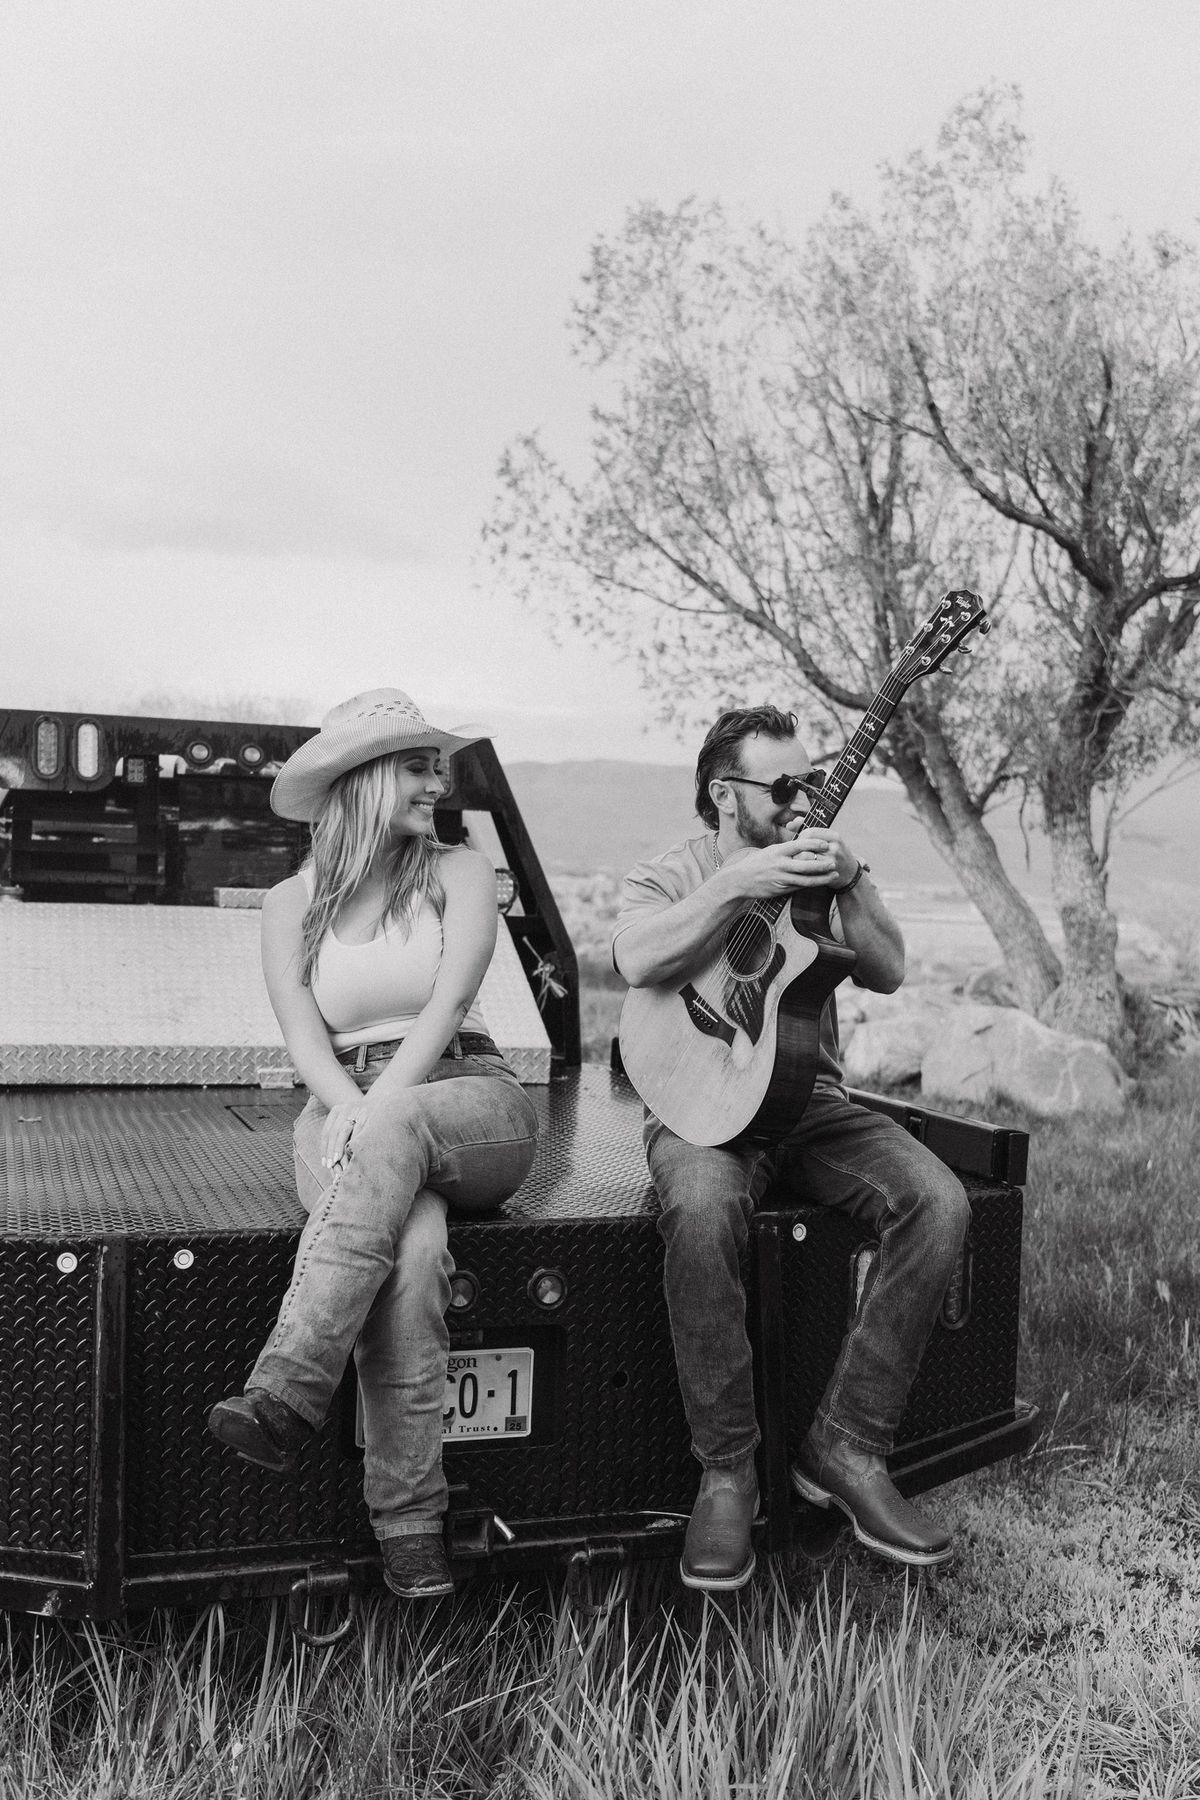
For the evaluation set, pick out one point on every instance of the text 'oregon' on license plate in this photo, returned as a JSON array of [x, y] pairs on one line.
[[488, 1394]]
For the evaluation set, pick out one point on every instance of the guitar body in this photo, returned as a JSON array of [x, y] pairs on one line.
[[730, 1056]]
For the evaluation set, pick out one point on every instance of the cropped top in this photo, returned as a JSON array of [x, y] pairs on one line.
[[369, 992]]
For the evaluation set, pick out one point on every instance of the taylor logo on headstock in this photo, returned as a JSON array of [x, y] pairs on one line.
[[730, 1055]]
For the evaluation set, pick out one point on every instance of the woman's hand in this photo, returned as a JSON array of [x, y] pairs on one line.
[[339, 1123]]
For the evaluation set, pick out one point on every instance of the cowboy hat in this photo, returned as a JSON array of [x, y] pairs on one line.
[[356, 731]]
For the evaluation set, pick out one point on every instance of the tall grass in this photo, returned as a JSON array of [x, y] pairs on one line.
[[788, 1694], [1111, 1275]]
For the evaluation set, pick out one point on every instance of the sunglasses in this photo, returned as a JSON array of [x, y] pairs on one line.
[[784, 788]]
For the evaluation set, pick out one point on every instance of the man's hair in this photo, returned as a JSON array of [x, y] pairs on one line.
[[720, 753]]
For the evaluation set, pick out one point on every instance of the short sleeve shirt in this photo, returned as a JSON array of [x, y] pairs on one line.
[[663, 881]]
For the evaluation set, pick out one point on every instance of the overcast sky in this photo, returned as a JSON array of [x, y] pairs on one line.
[[281, 278]]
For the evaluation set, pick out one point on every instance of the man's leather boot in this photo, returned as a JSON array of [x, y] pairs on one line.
[[857, 1483], [717, 1552]]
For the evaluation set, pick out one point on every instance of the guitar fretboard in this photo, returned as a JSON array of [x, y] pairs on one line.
[[850, 763]]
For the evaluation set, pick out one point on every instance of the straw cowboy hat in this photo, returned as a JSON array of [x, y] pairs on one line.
[[356, 731]]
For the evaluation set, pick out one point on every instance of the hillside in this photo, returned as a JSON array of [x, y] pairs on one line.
[[586, 817]]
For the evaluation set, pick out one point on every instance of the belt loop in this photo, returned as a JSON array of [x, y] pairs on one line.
[[456, 1049], [360, 1058]]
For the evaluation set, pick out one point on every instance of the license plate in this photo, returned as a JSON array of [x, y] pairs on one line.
[[488, 1394]]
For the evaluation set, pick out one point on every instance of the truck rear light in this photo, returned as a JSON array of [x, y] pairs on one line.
[[548, 1288], [199, 753], [464, 1291], [506, 889], [252, 756], [87, 750], [47, 748]]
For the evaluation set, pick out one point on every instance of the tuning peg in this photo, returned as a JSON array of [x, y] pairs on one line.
[[985, 625]]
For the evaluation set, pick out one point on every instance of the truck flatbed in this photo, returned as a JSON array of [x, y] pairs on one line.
[[148, 1228], [147, 1237], [86, 1161]]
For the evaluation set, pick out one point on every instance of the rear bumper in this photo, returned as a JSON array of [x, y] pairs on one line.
[[481, 1542]]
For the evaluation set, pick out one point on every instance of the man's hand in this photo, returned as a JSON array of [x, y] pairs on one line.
[[814, 858]]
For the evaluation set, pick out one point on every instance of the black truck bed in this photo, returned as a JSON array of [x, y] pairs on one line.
[[87, 1161], [147, 1239]]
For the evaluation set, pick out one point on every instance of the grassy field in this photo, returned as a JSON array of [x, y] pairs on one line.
[[1058, 1655]]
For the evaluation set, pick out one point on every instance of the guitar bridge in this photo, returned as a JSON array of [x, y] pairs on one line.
[[705, 1017]]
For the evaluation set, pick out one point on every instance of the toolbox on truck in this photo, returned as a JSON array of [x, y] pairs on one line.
[[147, 1237]]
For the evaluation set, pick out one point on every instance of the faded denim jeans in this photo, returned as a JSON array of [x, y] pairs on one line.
[[372, 1273], [843, 1156]]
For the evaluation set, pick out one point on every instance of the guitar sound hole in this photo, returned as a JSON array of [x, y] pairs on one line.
[[748, 945]]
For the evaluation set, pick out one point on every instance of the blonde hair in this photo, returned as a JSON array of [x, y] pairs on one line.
[[353, 828]]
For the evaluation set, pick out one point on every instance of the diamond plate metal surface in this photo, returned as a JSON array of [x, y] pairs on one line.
[[49, 1317], [138, 1065], [138, 1162], [966, 1374], [210, 1174], [622, 1441], [194, 1334], [619, 1439], [165, 976], [130, 996], [163, 1160]]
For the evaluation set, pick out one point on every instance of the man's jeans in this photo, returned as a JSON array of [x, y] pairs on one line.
[[843, 1156], [373, 1270]]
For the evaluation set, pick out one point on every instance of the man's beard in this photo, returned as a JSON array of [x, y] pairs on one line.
[[751, 830]]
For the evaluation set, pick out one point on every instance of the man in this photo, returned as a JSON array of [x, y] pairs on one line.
[[674, 911]]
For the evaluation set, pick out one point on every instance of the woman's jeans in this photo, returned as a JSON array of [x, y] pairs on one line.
[[839, 1155], [372, 1272]]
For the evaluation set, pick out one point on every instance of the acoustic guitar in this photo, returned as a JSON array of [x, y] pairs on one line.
[[729, 1056]]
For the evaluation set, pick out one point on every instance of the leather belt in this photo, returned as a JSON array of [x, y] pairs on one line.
[[463, 1043]]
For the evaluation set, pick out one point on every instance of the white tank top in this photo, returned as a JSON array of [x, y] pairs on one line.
[[368, 992]]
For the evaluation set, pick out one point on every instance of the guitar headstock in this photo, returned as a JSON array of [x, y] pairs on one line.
[[956, 615]]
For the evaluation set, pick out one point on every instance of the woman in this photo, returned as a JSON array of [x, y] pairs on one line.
[[373, 955]]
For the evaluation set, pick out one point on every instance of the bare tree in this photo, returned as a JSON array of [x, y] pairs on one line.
[[801, 445], [1062, 386], [756, 517]]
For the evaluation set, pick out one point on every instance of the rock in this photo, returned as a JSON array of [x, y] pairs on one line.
[[866, 1005], [981, 1052], [889, 1032], [890, 1049], [991, 987]]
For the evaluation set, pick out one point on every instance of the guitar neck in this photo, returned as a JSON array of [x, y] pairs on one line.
[[849, 766], [810, 910]]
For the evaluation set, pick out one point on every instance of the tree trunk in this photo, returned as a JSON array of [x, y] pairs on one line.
[[1088, 1003], [919, 755], [967, 846]]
